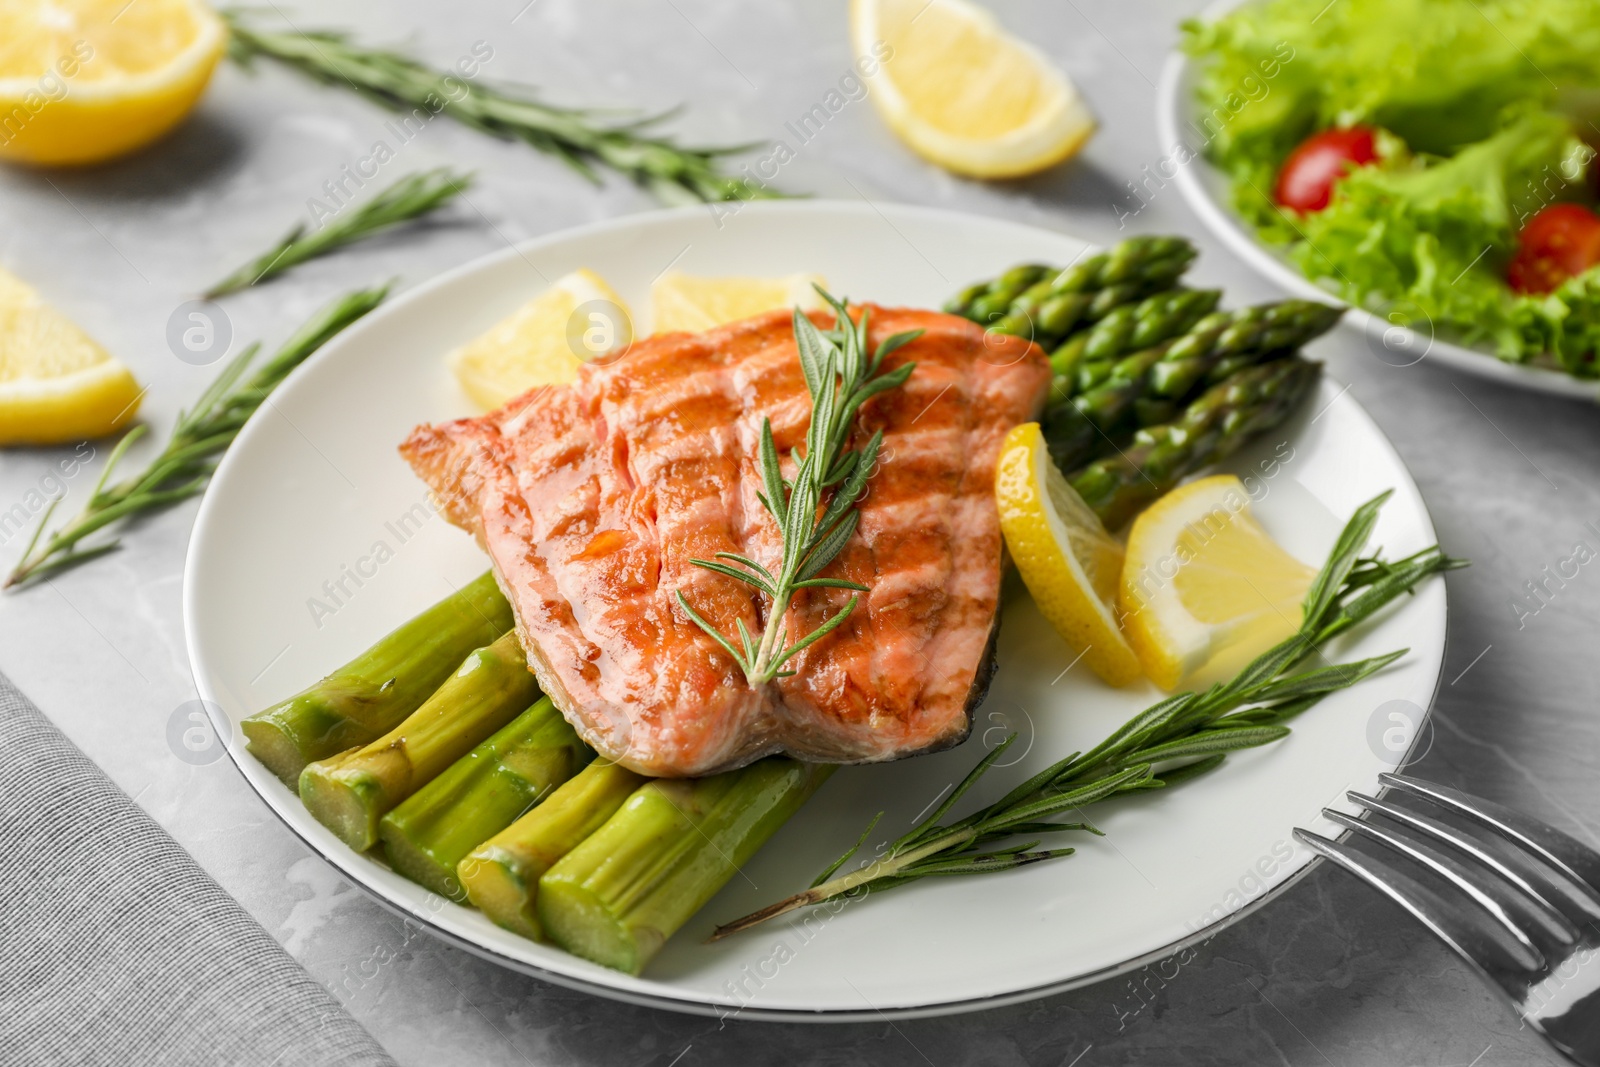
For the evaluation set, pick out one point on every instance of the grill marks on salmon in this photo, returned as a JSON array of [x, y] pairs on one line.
[[591, 499]]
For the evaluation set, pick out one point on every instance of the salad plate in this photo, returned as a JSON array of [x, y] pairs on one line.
[[315, 537], [1389, 338]]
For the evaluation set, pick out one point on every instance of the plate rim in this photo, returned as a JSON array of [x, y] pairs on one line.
[[1223, 223], [277, 796]]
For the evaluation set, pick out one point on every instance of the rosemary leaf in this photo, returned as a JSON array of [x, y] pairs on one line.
[[1346, 552], [1213, 742], [987, 863], [409, 198], [1191, 770], [1325, 679], [851, 851]]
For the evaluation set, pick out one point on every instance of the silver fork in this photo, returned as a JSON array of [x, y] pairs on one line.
[[1523, 905]]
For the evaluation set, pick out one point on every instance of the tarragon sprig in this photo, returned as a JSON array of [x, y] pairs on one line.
[[184, 467], [828, 478], [1187, 733], [411, 197]]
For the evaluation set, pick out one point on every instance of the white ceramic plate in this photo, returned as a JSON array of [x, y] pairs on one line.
[[1206, 189], [314, 487]]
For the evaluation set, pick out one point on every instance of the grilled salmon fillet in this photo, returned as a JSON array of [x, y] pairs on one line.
[[592, 498]]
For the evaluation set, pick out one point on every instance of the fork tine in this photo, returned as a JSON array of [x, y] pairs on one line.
[[1513, 913], [1563, 852], [1515, 867], [1498, 957], [1517, 914]]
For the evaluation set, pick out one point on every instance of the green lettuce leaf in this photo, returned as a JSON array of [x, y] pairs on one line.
[[1429, 239], [1565, 324], [1467, 92], [1439, 73]]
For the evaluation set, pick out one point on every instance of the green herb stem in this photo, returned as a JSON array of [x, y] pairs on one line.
[[409, 198], [583, 139], [184, 466], [1196, 728], [840, 377]]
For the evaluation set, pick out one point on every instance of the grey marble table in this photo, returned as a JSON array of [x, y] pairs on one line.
[[1327, 974]]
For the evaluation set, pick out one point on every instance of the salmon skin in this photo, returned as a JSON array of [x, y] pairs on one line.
[[592, 498]]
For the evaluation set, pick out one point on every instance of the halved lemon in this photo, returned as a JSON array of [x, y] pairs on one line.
[[580, 319], [962, 92], [1205, 589], [82, 81], [686, 302], [56, 384], [1064, 554]]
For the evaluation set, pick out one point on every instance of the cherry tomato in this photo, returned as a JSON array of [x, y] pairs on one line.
[[1558, 243], [1306, 181]]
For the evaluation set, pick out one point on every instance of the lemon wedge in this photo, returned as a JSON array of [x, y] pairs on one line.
[[56, 384], [963, 93], [689, 303], [1067, 560], [82, 81], [580, 319], [1205, 589]]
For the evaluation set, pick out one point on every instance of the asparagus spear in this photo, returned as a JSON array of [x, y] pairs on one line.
[[501, 876], [1126, 330], [1035, 302], [618, 896], [1148, 387], [350, 792], [479, 795], [1212, 428], [982, 301], [372, 693]]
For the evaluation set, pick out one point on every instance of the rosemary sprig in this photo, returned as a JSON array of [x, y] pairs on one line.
[[581, 138], [1196, 728], [840, 378], [411, 197], [184, 466]]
